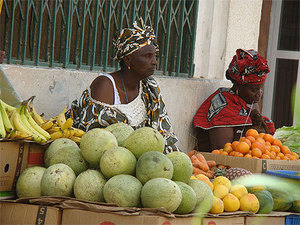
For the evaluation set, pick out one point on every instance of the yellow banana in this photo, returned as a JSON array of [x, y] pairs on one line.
[[2, 128], [47, 125], [20, 135], [66, 133], [56, 135], [78, 132], [6, 122], [37, 118], [53, 129], [61, 118], [33, 124], [19, 120], [76, 139], [7, 107], [67, 124]]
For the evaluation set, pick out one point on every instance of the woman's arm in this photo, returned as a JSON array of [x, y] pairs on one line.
[[218, 137], [102, 90]]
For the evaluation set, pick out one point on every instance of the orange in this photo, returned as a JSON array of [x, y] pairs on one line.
[[273, 155], [285, 158], [251, 138], [268, 137], [268, 143], [232, 153], [234, 144], [295, 154], [281, 155], [227, 144], [215, 152], [224, 153], [243, 147], [238, 154], [291, 157], [252, 132], [261, 135], [277, 142], [243, 139], [261, 140], [267, 147], [277, 158], [264, 156], [256, 152], [258, 145], [248, 156], [275, 148], [267, 152], [285, 150], [254, 157], [227, 148]]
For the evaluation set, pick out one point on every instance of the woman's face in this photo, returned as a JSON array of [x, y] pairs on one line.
[[251, 93], [143, 61]]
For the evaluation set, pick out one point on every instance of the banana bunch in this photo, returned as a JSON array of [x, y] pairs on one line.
[[60, 127], [18, 123], [24, 122]]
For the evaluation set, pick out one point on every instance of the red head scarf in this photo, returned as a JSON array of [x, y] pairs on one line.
[[247, 67]]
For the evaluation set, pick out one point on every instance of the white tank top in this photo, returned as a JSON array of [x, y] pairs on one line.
[[135, 110]]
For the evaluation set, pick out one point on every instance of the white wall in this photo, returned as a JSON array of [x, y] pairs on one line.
[[55, 88], [222, 27]]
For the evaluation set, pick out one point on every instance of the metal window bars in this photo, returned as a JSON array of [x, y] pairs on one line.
[[78, 33]]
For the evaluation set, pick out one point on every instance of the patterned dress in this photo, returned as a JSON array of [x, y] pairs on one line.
[[88, 114]]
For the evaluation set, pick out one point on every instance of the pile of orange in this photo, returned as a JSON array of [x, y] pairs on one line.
[[258, 146]]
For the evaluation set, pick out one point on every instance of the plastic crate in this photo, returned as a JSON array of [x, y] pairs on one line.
[[292, 220], [285, 173]]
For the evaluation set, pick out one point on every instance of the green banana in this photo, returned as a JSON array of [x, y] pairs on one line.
[[33, 124], [6, 122], [36, 136], [7, 106], [2, 128]]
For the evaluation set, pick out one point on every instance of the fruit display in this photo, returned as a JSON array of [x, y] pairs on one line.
[[24, 123], [258, 146], [290, 137]]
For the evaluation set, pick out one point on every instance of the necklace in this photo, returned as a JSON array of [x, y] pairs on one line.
[[124, 89], [122, 79]]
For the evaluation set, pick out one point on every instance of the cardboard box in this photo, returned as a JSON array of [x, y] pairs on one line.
[[224, 221], [36, 155], [18, 213], [13, 160], [83, 217], [253, 165], [274, 218]]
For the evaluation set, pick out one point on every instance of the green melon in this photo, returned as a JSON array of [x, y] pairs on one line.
[[183, 168], [265, 202], [295, 206], [58, 180], [29, 182], [152, 165], [94, 142], [161, 192], [204, 195], [282, 199], [117, 160], [72, 157], [55, 146], [89, 186], [143, 140], [123, 190], [189, 199], [121, 131]]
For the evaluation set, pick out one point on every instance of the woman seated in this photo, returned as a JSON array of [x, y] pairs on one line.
[[228, 113], [130, 95]]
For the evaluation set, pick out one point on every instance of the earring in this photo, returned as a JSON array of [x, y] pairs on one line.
[[237, 92], [128, 67]]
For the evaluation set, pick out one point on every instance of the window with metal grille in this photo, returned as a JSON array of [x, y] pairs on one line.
[[78, 34]]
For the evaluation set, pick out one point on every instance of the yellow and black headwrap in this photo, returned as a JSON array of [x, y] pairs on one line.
[[132, 39]]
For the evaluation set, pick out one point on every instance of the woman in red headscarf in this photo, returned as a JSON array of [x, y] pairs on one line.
[[228, 113]]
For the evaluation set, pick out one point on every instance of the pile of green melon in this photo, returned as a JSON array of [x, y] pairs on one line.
[[118, 165]]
